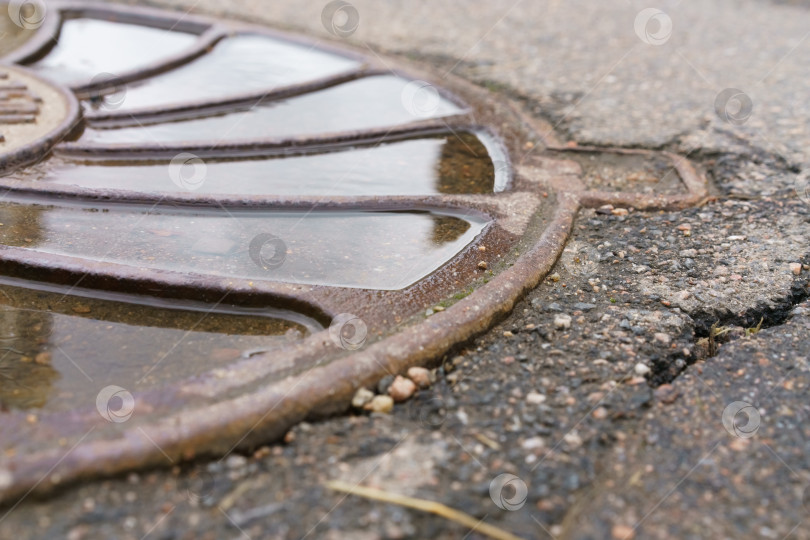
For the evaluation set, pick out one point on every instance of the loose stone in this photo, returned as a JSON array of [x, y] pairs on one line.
[[420, 376], [401, 389], [562, 322], [380, 404], [641, 369], [535, 398], [361, 397]]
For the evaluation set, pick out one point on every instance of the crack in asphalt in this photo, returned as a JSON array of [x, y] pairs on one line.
[[760, 317]]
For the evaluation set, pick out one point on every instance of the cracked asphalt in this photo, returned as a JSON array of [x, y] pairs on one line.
[[657, 393]]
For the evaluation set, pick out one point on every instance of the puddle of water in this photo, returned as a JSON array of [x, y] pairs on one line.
[[628, 173], [58, 351], [239, 64], [367, 103], [376, 250], [90, 47], [449, 164]]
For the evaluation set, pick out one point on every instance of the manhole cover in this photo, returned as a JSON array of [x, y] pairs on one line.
[[243, 227]]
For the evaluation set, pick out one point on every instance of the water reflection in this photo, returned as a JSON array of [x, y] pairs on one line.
[[58, 351], [22, 225], [376, 250], [367, 103], [85, 49], [448, 164], [239, 64], [26, 374], [448, 229]]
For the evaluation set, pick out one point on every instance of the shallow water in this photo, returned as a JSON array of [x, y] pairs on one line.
[[370, 102], [90, 47], [375, 250], [58, 351], [238, 64], [444, 164]]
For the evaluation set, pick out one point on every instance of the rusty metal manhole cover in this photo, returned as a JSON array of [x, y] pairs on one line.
[[212, 231]]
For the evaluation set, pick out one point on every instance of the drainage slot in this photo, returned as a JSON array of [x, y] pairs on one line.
[[84, 49], [58, 349], [445, 164], [374, 250], [367, 103], [236, 65]]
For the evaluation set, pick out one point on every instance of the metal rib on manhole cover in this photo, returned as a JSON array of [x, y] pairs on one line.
[[244, 227]]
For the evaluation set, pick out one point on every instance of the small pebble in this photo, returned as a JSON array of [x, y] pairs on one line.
[[562, 322], [796, 268], [385, 382], [43, 358], [622, 532], [361, 397], [641, 369], [600, 413], [535, 398], [420, 376], [482, 265], [235, 461], [573, 439], [380, 404], [619, 212], [401, 389], [533, 443]]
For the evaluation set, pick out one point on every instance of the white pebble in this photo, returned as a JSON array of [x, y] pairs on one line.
[[381, 404], [562, 322], [533, 443], [641, 369], [361, 397], [535, 398]]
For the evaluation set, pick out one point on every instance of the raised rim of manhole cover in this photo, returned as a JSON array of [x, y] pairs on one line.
[[373, 327]]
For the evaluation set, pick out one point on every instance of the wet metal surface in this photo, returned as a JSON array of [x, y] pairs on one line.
[[33, 114], [449, 164]]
